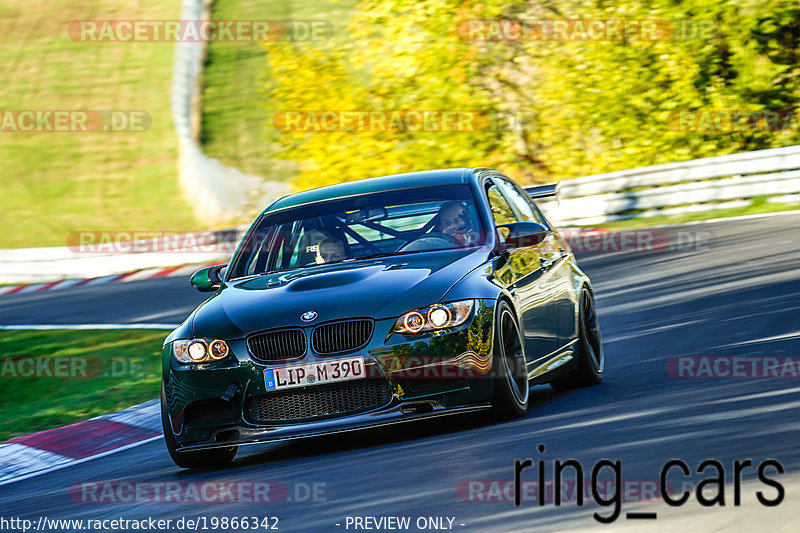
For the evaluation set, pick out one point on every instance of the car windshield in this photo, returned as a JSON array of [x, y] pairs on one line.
[[359, 227]]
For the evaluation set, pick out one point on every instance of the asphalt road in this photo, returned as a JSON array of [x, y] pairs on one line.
[[737, 294], [155, 301]]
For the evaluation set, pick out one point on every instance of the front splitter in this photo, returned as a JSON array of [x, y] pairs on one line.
[[396, 415]]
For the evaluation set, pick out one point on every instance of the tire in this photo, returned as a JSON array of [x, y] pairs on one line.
[[197, 458], [509, 371], [591, 360]]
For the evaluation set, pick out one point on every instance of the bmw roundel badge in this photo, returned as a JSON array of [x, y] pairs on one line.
[[308, 316]]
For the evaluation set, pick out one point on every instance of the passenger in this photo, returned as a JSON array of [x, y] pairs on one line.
[[456, 222], [330, 251]]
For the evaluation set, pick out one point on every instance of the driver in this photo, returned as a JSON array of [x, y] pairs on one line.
[[329, 251], [456, 222]]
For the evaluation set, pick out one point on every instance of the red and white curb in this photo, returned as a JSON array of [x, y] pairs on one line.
[[148, 273], [54, 449]]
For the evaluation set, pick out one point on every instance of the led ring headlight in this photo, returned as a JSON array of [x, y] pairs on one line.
[[197, 351], [217, 349], [435, 317], [414, 322], [439, 316]]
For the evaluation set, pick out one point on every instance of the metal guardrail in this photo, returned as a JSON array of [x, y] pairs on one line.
[[676, 188]]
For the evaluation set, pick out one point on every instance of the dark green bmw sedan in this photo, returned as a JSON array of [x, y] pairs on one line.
[[376, 302]]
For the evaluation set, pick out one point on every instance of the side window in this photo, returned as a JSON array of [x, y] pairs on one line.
[[503, 214], [520, 203], [540, 217]]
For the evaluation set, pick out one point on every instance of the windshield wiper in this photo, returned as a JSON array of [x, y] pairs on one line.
[[370, 256], [280, 270]]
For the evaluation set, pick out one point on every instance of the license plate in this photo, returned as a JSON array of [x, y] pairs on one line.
[[287, 377]]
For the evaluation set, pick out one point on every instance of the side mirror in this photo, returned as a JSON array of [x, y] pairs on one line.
[[207, 279], [522, 234]]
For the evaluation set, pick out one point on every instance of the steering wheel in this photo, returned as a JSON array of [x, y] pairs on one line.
[[429, 241]]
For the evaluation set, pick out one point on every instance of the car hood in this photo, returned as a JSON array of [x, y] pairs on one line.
[[381, 288]]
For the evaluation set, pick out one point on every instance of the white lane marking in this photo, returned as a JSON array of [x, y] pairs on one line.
[[784, 336], [667, 299], [47, 327], [648, 331], [79, 461], [727, 414], [153, 318], [757, 396]]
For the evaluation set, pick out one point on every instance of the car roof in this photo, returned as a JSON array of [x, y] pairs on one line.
[[410, 180]]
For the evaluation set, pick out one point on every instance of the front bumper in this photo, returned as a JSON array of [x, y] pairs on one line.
[[424, 375], [397, 414]]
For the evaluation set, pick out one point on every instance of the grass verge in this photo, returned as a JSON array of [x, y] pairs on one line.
[[234, 105], [56, 183], [74, 375]]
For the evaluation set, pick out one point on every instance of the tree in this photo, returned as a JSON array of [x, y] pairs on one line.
[[577, 107]]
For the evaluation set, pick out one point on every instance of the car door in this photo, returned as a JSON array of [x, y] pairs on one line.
[[519, 271], [554, 262]]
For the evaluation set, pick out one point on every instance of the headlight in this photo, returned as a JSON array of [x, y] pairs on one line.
[[435, 317], [199, 350]]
